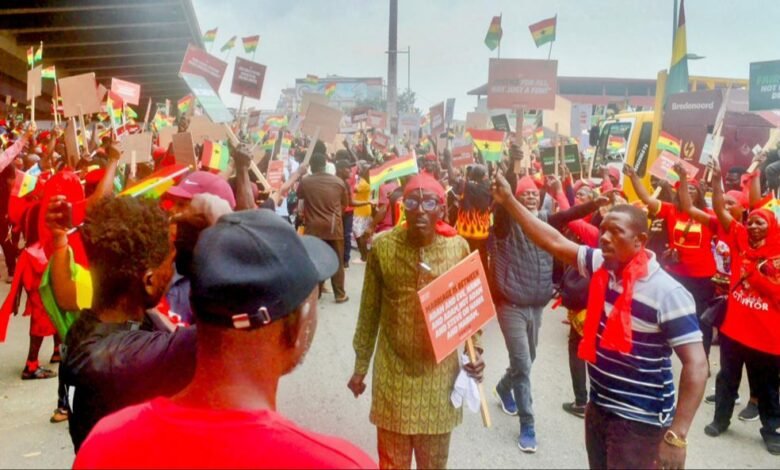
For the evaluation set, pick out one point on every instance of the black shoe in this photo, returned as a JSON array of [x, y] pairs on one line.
[[750, 413], [714, 430], [710, 400], [574, 408], [39, 373], [772, 441]]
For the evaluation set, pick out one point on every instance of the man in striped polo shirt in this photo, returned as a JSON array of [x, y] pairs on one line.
[[637, 314]]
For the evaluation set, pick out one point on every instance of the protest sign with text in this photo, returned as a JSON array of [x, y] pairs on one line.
[[437, 119], [376, 119], [248, 78], [663, 167], [129, 92], [276, 174], [456, 305], [764, 89], [522, 83], [568, 154], [462, 153], [199, 62]]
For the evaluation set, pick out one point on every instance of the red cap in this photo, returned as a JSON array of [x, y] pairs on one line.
[[200, 182], [526, 183], [424, 182]]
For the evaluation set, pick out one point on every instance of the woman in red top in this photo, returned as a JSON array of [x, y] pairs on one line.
[[751, 330], [689, 256]]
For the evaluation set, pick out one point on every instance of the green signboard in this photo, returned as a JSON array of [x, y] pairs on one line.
[[207, 98], [764, 90], [570, 155]]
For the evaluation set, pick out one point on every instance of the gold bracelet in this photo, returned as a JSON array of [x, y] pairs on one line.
[[674, 440]]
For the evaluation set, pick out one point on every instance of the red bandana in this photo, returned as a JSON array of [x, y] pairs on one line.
[[617, 333]]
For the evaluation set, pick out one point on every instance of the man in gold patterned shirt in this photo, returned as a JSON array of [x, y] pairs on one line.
[[410, 392]]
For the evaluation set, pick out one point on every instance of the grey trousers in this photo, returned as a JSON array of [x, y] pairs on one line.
[[520, 327]]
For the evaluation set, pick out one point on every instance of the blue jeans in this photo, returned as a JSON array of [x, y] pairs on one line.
[[520, 327]]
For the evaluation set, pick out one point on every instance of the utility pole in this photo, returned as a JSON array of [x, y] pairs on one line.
[[392, 69]]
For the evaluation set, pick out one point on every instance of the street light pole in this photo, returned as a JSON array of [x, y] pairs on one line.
[[408, 53], [392, 71]]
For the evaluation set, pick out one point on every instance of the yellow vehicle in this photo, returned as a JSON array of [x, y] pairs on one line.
[[626, 138]]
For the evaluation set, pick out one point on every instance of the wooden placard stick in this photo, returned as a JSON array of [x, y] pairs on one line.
[[148, 109], [557, 150], [84, 128], [656, 193], [482, 402], [313, 142]]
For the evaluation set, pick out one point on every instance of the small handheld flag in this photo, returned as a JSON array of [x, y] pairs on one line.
[[330, 89], [215, 155], [30, 56], [184, 104], [312, 79], [49, 72], [38, 54]]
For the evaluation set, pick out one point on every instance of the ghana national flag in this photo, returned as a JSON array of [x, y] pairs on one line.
[[49, 72], [210, 35], [215, 155], [229, 45], [678, 71], [669, 143], [184, 104], [330, 89], [156, 184], [393, 169], [489, 142], [544, 31], [493, 36], [250, 43]]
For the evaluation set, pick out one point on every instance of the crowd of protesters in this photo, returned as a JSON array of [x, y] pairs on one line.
[[178, 314]]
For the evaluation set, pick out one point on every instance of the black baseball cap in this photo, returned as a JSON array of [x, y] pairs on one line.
[[251, 268]]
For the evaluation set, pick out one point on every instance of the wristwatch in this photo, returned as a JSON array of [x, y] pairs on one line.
[[674, 440]]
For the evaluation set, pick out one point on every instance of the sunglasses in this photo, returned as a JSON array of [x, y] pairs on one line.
[[428, 205]]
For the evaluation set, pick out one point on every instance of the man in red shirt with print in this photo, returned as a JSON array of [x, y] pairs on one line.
[[254, 295]]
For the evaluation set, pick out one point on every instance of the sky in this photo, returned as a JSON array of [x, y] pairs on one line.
[[595, 38]]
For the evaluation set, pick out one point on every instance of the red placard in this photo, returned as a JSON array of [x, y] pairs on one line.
[[376, 119], [129, 91], [463, 155], [199, 62], [522, 83], [380, 140], [456, 305], [275, 174], [662, 167], [248, 78]]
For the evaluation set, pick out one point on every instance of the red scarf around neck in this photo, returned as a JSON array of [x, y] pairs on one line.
[[617, 333]]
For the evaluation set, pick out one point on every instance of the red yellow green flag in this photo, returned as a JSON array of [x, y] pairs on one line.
[[156, 184], [49, 72], [678, 70], [544, 31], [30, 56], [38, 54], [24, 184], [395, 168], [539, 134], [229, 45], [669, 143], [276, 121], [184, 104], [250, 43], [489, 142], [215, 156], [312, 79], [210, 35], [616, 142], [330, 89], [494, 33]]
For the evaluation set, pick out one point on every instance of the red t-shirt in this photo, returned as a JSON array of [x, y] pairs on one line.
[[695, 246], [751, 318], [162, 434]]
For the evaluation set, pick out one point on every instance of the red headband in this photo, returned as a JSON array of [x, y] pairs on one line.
[[424, 182]]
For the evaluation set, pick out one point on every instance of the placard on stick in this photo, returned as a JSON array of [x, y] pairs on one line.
[[79, 95], [662, 167], [309, 98], [275, 174], [326, 118], [456, 305], [129, 92], [72, 142], [570, 156], [462, 153], [208, 98], [184, 149], [166, 136], [34, 83], [141, 144], [248, 78], [203, 129]]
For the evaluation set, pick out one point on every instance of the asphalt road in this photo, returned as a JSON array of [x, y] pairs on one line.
[[315, 396]]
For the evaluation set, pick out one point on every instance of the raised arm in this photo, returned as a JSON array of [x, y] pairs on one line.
[[542, 234], [653, 204], [718, 203], [685, 199]]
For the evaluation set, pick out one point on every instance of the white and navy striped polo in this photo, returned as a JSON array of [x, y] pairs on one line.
[[640, 385]]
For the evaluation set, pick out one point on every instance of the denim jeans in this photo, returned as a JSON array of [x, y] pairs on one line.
[[520, 327]]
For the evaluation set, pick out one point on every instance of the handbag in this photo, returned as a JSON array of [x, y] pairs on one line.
[[574, 289]]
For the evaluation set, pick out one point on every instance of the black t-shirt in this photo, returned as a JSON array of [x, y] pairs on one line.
[[113, 365]]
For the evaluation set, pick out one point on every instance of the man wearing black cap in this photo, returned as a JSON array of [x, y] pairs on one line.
[[254, 294], [324, 198]]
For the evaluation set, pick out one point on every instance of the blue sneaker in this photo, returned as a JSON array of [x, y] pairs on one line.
[[527, 440], [507, 401]]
